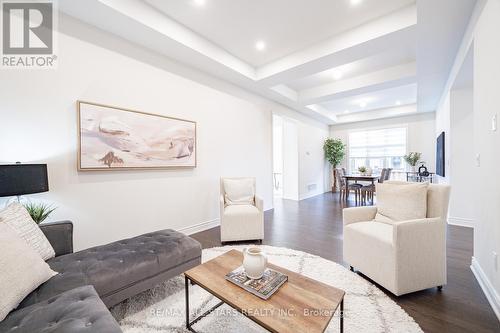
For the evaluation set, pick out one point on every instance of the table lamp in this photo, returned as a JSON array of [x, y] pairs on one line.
[[19, 179]]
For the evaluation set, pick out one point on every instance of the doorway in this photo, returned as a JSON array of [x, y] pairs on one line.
[[277, 156], [285, 158], [462, 163]]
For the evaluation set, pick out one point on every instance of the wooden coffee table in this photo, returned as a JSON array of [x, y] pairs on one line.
[[300, 305]]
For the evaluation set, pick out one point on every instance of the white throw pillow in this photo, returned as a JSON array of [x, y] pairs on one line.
[[21, 270], [239, 191], [18, 218], [401, 202]]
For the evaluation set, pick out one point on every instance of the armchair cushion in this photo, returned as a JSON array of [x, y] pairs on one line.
[[382, 232], [238, 211], [401, 202], [239, 191]]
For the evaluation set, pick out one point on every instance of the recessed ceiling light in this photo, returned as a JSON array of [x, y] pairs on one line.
[[398, 102], [362, 104], [260, 45], [346, 111], [356, 2], [337, 74], [199, 2]]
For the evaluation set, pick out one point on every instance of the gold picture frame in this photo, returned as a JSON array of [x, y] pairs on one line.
[[113, 138]]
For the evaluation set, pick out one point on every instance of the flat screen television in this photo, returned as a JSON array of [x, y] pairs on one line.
[[440, 155]]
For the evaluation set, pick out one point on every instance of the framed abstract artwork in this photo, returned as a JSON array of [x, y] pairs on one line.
[[112, 138]]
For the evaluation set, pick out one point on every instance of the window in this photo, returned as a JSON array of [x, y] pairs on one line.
[[377, 149]]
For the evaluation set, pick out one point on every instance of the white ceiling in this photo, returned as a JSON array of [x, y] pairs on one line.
[[387, 98], [400, 55], [438, 42], [287, 26], [383, 54]]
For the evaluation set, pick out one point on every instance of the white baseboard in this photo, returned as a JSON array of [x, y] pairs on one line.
[[490, 292], [200, 227], [312, 194], [307, 196], [462, 222], [193, 229]]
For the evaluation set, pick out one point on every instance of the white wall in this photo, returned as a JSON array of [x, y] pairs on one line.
[[484, 196], [487, 144], [278, 156], [290, 160], [38, 124], [277, 144], [420, 133], [313, 168], [462, 167]]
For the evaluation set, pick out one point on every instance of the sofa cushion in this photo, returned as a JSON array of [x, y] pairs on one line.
[[76, 310], [396, 202], [58, 284], [116, 266], [239, 191], [21, 270], [17, 217]]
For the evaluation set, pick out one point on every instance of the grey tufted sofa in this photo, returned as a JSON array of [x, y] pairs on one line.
[[90, 281]]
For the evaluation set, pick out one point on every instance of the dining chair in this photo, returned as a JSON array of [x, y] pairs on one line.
[[344, 189], [382, 175], [387, 174], [368, 191]]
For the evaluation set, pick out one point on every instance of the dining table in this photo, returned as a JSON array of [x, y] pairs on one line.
[[359, 178]]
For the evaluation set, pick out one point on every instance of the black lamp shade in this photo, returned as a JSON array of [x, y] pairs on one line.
[[19, 179]]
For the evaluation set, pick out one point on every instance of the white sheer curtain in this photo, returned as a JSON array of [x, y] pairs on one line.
[[377, 149]]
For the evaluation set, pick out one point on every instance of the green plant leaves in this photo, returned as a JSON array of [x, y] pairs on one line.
[[39, 211], [334, 151], [412, 158]]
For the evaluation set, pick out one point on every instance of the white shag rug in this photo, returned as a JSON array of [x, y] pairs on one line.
[[162, 309]]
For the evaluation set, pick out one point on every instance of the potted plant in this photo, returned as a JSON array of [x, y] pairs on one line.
[[362, 170], [39, 211], [412, 159], [334, 154]]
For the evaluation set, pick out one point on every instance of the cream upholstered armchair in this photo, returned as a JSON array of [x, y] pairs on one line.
[[401, 242], [241, 211]]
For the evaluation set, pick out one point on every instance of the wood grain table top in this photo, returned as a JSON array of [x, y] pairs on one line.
[[300, 305]]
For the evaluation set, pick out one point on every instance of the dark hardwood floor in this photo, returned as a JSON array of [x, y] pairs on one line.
[[315, 226]]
